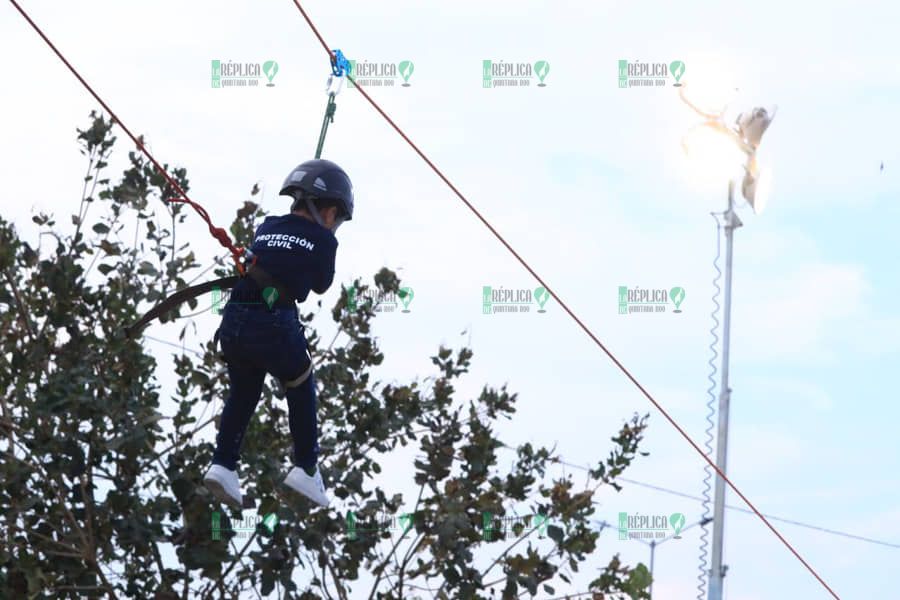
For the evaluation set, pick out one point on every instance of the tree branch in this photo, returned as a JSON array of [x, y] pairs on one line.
[[22, 313], [380, 568]]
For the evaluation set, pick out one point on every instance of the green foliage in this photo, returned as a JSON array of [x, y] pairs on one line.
[[101, 490]]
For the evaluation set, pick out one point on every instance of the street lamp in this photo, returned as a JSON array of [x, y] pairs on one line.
[[653, 544], [745, 135], [751, 127]]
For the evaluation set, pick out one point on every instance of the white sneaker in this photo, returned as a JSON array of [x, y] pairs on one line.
[[311, 487], [224, 485]]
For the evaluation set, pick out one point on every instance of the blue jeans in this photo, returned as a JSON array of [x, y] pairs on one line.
[[257, 341]]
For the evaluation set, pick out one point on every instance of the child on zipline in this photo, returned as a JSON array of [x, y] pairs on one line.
[[261, 333]]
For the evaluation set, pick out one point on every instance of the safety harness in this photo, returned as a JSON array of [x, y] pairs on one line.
[[262, 278]]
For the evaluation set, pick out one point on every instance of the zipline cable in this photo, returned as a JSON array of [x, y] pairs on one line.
[[217, 232], [569, 311]]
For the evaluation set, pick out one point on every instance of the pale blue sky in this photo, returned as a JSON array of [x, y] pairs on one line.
[[586, 181]]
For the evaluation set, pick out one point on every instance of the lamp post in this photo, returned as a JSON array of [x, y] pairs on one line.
[[653, 544], [746, 135], [717, 573]]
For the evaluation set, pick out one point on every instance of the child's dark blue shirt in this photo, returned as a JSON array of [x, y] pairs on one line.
[[296, 252]]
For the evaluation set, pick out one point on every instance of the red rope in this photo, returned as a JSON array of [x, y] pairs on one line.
[[576, 319], [217, 232]]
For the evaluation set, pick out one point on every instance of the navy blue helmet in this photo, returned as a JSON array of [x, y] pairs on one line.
[[323, 179]]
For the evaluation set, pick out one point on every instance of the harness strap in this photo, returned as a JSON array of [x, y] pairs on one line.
[[177, 298], [265, 281], [303, 377]]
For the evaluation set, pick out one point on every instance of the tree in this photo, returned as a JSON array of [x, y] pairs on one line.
[[100, 487]]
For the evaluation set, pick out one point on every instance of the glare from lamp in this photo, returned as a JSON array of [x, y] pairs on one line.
[[763, 189], [712, 155], [710, 84], [757, 187]]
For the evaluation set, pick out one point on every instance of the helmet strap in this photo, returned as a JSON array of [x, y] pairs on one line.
[[311, 208]]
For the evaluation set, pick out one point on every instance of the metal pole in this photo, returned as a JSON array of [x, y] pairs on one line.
[[329, 118], [717, 569], [653, 544]]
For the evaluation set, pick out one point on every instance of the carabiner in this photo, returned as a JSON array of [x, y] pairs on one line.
[[339, 64]]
